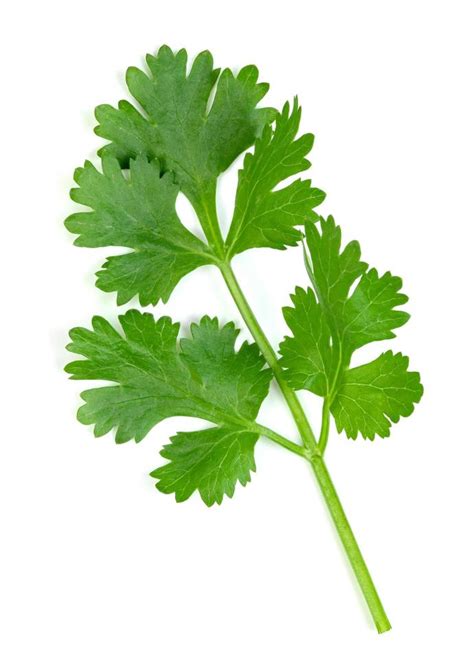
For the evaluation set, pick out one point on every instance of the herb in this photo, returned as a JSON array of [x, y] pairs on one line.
[[177, 140], [329, 324]]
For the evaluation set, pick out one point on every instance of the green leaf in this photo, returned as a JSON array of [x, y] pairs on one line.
[[139, 213], [369, 313], [332, 270], [158, 377], [211, 461], [195, 139], [307, 356], [351, 307], [374, 395], [264, 217]]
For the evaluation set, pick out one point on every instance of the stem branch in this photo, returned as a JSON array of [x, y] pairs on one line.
[[324, 434], [281, 440]]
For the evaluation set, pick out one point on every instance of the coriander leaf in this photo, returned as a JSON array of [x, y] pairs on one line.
[[210, 461], [139, 213], [369, 313], [177, 127], [329, 325], [307, 356], [232, 381], [332, 271], [158, 378], [374, 395], [183, 131], [264, 217]]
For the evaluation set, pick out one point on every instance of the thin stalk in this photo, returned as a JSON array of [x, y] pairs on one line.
[[269, 354], [206, 210], [324, 434], [350, 545], [281, 440]]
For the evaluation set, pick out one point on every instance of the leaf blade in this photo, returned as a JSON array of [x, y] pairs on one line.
[[375, 395], [211, 461], [157, 377], [263, 216], [306, 356], [176, 127], [351, 306], [138, 212]]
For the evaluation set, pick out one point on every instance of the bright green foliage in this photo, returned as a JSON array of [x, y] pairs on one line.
[[263, 216], [308, 356], [158, 377], [211, 461], [333, 270], [368, 313], [186, 128], [329, 324], [180, 141], [372, 395], [137, 212], [201, 376], [195, 142]]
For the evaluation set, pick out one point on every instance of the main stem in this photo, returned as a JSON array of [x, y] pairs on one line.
[[267, 351], [314, 454], [312, 449], [350, 544]]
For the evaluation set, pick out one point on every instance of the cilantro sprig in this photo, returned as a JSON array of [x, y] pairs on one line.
[[184, 130], [330, 323]]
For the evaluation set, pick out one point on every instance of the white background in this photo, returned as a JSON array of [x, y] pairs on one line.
[[99, 571]]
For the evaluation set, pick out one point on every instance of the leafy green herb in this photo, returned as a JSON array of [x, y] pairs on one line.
[[186, 129], [195, 144], [158, 378], [264, 217], [371, 395], [137, 212], [211, 461], [329, 324]]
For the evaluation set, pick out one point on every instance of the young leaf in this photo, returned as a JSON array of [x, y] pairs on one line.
[[210, 461], [156, 378], [264, 217], [374, 394], [327, 327], [139, 213], [197, 144], [368, 313], [307, 357], [333, 271]]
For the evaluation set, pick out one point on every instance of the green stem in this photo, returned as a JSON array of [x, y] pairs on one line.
[[350, 545], [311, 449], [281, 440], [205, 207], [267, 351], [324, 434]]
